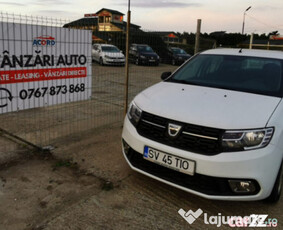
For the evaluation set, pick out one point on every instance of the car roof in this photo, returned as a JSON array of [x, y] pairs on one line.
[[106, 45], [140, 44], [246, 52]]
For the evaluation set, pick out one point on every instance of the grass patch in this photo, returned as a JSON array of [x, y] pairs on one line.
[[64, 163]]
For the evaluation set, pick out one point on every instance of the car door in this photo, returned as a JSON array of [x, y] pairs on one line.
[[170, 54], [95, 53], [133, 53]]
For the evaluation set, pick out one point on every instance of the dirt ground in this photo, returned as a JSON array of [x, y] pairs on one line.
[[85, 183]]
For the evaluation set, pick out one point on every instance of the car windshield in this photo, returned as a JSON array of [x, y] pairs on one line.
[[178, 51], [145, 49], [110, 49], [240, 73]]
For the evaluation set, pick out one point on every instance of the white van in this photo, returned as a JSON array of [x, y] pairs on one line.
[[214, 127]]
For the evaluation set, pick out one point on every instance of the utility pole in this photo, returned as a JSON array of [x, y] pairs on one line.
[[197, 36], [127, 58]]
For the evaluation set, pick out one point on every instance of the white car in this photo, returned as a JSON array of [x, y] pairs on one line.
[[106, 54], [214, 127]]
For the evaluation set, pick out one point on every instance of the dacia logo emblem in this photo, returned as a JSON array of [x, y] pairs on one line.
[[173, 129]]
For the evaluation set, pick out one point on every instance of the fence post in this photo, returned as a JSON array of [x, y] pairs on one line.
[[197, 36], [251, 41], [127, 60]]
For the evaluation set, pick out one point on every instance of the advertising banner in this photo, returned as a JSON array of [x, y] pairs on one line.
[[43, 66]]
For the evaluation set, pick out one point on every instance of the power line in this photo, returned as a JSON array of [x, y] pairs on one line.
[[263, 23]]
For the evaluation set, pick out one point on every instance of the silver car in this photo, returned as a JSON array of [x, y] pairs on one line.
[[106, 54]]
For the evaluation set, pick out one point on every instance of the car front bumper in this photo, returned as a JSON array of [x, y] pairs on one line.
[[180, 60], [114, 61], [148, 61], [260, 166]]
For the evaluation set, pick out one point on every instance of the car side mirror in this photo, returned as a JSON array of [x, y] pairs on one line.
[[165, 75]]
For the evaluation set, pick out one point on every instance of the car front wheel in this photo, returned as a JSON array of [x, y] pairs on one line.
[[101, 61], [277, 188], [137, 61]]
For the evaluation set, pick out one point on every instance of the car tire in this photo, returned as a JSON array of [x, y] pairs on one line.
[[173, 62], [101, 61], [277, 188], [137, 61]]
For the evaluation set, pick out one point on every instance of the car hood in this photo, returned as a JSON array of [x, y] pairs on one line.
[[206, 106], [116, 55], [149, 54], [183, 55]]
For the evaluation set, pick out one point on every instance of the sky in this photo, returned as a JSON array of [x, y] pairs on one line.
[[264, 16]]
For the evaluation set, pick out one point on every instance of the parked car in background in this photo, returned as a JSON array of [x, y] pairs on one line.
[[143, 54], [214, 127], [106, 54], [177, 55]]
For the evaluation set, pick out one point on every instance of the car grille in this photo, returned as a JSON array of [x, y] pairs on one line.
[[215, 186], [117, 58], [193, 138]]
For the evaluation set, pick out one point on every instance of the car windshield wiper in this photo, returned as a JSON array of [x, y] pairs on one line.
[[178, 81], [184, 82]]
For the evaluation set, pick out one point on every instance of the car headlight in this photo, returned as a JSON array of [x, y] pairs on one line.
[[106, 56], [241, 140], [134, 114], [142, 56]]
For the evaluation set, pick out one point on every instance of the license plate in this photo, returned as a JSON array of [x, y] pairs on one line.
[[170, 161], [152, 60]]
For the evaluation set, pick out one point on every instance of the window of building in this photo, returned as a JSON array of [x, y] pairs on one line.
[[107, 19], [101, 19]]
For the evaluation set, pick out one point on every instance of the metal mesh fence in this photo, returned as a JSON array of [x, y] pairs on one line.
[[42, 106], [77, 96]]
